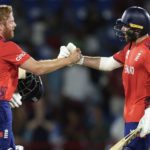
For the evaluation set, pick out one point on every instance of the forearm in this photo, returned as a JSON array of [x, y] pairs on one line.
[[92, 62], [101, 63], [45, 66]]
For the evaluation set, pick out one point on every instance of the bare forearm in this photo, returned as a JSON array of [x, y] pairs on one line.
[[92, 62], [101, 63], [48, 66], [45, 66]]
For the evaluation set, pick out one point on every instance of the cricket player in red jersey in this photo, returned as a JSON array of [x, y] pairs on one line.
[[12, 57], [134, 27]]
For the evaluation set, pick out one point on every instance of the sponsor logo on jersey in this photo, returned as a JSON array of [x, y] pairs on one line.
[[20, 56], [129, 69]]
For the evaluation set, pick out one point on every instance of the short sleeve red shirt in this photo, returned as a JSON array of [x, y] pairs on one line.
[[136, 78], [11, 57]]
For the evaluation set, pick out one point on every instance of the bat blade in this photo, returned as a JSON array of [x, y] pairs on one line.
[[126, 140]]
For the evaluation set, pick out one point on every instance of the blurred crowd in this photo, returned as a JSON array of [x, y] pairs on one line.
[[81, 108]]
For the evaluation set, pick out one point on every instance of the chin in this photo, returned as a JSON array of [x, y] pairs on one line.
[[11, 36]]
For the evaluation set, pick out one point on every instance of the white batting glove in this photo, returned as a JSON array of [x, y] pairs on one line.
[[71, 47], [16, 100], [19, 147], [64, 52], [144, 123]]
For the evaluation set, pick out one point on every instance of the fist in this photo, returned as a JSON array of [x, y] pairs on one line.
[[64, 52], [71, 47]]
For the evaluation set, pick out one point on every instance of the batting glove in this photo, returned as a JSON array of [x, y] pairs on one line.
[[16, 100], [64, 52], [71, 47], [19, 147], [144, 123]]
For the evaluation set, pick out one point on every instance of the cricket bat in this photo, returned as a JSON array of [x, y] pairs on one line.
[[126, 140]]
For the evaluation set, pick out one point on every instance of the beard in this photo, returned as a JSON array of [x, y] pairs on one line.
[[8, 34]]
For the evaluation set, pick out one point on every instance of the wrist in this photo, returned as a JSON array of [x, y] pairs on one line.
[[81, 61]]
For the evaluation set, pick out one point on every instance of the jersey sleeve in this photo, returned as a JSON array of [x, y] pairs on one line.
[[13, 53], [120, 56]]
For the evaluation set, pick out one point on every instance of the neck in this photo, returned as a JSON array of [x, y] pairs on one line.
[[141, 38]]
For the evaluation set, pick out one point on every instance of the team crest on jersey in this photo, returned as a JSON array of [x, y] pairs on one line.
[[148, 45], [6, 134]]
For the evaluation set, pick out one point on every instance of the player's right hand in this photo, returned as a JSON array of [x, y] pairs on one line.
[[71, 47], [16, 100], [64, 52], [75, 56]]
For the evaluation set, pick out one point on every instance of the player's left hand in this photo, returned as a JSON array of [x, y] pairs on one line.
[[16, 100], [144, 123]]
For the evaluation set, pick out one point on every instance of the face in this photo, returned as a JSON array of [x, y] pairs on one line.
[[124, 29], [9, 27]]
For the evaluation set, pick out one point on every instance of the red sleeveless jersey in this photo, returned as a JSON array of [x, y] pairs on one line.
[[11, 57], [136, 78]]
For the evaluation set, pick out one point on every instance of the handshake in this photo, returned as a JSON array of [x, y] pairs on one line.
[[71, 51]]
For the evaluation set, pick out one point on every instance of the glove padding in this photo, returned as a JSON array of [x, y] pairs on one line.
[[64, 52], [144, 123], [19, 147], [16, 100]]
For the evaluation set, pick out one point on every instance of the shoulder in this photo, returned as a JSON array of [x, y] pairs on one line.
[[10, 44], [147, 45]]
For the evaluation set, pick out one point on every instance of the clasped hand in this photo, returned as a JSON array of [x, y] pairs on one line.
[[70, 51]]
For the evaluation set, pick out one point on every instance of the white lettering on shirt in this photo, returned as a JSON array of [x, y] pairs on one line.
[[137, 56], [20, 56], [129, 69]]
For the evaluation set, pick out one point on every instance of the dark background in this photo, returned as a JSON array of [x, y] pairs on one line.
[[81, 108]]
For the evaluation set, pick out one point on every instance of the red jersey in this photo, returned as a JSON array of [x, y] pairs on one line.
[[136, 78], [12, 56]]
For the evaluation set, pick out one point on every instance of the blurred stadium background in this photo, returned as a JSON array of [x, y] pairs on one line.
[[81, 108]]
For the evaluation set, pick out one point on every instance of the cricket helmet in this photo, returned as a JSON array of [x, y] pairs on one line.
[[30, 88], [137, 20]]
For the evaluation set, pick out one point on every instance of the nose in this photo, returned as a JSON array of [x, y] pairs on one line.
[[124, 29], [15, 24]]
